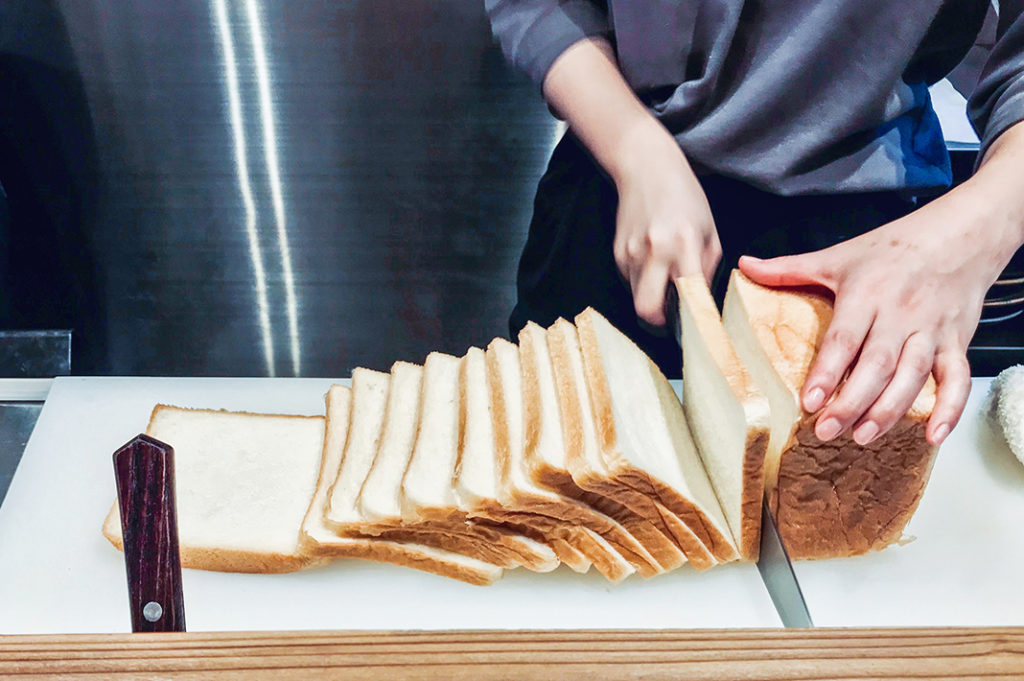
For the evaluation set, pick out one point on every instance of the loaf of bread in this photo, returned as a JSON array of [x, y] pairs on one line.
[[829, 498], [568, 448]]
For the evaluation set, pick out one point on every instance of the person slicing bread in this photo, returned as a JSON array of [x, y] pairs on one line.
[[799, 132]]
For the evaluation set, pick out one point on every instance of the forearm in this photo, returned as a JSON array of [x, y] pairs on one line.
[[585, 86], [996, 191]]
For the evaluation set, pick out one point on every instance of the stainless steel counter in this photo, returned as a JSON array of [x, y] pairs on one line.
[[263, 187], [16, 422]]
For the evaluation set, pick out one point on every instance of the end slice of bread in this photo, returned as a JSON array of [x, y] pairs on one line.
[[243, 482], [727, 414], [833, 498]]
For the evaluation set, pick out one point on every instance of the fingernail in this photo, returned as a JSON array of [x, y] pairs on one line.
[[828, 429], [941, 432], [865, 433], [814, 400]]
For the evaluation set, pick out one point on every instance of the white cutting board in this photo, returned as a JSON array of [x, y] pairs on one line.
[[965, 566], [59, 575]]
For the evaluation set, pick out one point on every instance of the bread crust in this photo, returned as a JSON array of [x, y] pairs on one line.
[[841, 499]]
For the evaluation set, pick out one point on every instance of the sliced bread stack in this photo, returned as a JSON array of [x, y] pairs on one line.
[[568, 448]]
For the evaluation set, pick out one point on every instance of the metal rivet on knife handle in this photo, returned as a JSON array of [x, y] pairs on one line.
[[152, 611], [144, 469]]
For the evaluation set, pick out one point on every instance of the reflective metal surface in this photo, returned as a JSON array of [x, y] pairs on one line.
[[262, 187], [777, 574], [17, 419]]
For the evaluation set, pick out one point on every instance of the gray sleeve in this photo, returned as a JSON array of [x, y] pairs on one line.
[[998, 100], [533, 33]]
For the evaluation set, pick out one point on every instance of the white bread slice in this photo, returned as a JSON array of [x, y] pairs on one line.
[[379, 497], [644, 436], [587, 469], [728, 416], [321, 540], [835, 498], [427, 490], [560, 520], [243, 482], [369, 401], [428, 487], [478, 471]]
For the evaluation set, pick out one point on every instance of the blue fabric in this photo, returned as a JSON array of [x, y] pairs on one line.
[[918, 135]]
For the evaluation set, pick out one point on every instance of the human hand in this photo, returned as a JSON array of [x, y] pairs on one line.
[[664, 228], [908, 298]]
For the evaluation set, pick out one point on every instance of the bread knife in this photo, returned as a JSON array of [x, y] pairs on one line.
[[773, 562], [144, 469]]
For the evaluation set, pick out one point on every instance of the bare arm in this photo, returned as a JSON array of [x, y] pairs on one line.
[[664, 226]]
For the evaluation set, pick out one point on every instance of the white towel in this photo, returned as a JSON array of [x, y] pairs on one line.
[[1007, 407]]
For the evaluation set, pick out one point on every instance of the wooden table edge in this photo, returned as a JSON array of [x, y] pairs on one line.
[[768, 654]]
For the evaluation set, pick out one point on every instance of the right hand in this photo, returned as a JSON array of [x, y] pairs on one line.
[[664, 228]]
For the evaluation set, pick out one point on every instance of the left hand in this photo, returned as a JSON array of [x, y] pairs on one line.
[[908, 299]]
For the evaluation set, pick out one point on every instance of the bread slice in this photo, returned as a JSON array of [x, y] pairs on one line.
[[319, 539], [369, 400], [834, 498], [589, 480], [243, 482], [642, 431], [380, 495], [600, 540], [727, 414]]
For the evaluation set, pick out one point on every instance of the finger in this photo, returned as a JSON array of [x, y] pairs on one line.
[[649, 292], [953, 374], [806, 269], [915, 365], [842, 342], [870, 375], [711, 257]]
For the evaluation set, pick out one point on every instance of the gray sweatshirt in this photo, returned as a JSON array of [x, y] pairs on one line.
[[792, 96]]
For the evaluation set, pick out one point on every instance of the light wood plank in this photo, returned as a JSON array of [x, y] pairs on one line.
[[762, 655]]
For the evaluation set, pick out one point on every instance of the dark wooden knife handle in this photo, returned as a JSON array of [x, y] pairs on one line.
[[149, 526]]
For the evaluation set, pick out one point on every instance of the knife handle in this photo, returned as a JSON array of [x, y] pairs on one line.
[[144, 469]]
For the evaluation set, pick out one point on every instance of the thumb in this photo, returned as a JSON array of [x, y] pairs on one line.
[[806, 269]]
